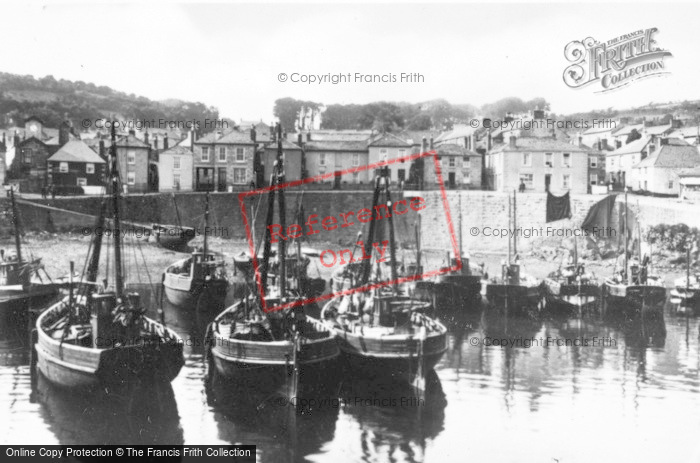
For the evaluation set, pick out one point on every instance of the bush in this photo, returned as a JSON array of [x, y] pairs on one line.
[[675, 238]]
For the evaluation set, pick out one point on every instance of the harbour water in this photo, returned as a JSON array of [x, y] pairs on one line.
[[485, 402]]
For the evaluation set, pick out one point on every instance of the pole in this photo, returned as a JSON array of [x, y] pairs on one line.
[[206, 227], [118, 277], [460, 229], [97, 244], [392, 239], [509, 226]]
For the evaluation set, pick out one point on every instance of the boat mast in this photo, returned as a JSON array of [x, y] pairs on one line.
[[392, 238], [366, 265], [460, 228], [509, 226], [15, 223], [206, 227], [280, 202], [97, 244], [118, 277], [515, 235], [626, 238]]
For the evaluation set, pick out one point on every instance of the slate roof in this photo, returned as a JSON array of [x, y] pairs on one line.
[[672, 156], [627, 129], [286, 145], [177, 150], [235, 137], [335, 146], [130, 141], [538, 144], [633, 147], [450, 149], [76, 151], [389, 140]]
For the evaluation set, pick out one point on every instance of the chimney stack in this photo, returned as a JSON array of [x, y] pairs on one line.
[[604, 143], [192, 139], [299, 139], [580, 139], [488, 143], [512, 141], [431, 143], [63, 133], [155, 142], [165, 142], [424, 145], [102, 149], [253, 135], [145, 137], [132, 132]]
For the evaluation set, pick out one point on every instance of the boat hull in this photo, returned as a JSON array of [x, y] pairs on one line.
[[513, 296], [174, 238], [76, 366], [570, 298], [633, 299], [214, 292], [456, 292]]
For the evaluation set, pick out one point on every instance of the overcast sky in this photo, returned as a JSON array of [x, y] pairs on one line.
[[230, 55]]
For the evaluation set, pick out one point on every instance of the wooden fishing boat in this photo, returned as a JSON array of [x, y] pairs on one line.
[[633, 290], [383, 332], [386, 333], [270, 348], [21, 285], [513, 290], [571, 290], [95, 337], [686, 290], [199, 281]]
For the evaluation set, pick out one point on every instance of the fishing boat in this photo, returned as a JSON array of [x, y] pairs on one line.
[[513, 290], [199, 281], [383, 332], [21, 284], [173, 237], [571, 289], [99, 336], [686, 290], [633, 290], [270, 349]]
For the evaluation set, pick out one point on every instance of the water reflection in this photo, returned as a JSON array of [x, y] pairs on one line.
[[146, 414]]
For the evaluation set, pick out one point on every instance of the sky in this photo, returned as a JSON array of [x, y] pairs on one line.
[[230, 55]]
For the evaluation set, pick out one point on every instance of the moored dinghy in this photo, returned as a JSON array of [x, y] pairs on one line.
[[95, 338]]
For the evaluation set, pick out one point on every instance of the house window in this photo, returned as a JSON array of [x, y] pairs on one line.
[[402, 153], [176, 162], [356, 177], [670, 184], [176, 181], [322, 160], [566, 181], [89, 168], [527, 180], [222, 154], [131, 157], [63, 167], [566, 160], [205, 153], [82, 181], [466, 177], [240, 155], [548, 159], [527, 159], [593, 178], [383, 154], [355, 160], [451, 162], [131, 178], [593, 161], [239, 175], [27, 155]]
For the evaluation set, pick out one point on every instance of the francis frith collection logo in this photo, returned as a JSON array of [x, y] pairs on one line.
[[615, 63]]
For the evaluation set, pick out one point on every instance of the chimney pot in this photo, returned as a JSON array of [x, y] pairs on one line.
[[165, 142], [511, 141]]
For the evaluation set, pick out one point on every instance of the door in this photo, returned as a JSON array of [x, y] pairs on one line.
[[221, 183], [547, 181], [452, 181]]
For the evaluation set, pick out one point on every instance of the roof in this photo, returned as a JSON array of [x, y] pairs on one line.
[[538, 144], [209, 138], [337, 135], [687, 132], [335, 146], [415, 137], [598, 129], [459, 132], [236, 137], [450, 149], [131, 141], [658, 129], [177, 150], [76, 151], [389, 140], [627, 129], [635, 146], [33, 118], [286, 145], [673, 156]]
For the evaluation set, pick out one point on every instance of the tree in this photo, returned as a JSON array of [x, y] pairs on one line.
[[287, 111], [634, 135]]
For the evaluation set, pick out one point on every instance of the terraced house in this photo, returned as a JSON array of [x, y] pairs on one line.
[[224, 159]]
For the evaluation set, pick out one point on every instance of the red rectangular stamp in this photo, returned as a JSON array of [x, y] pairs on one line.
[[325, 229]]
